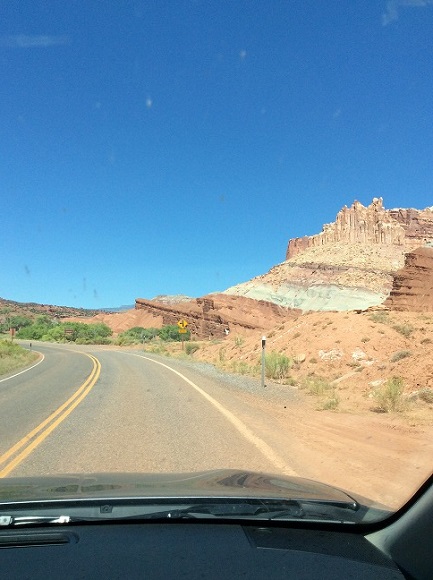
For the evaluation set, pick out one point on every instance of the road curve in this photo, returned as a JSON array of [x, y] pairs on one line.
[[28, 398], [146, 415]]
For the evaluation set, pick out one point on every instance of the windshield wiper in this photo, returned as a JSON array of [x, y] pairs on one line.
[[314, 510], [293, 509]]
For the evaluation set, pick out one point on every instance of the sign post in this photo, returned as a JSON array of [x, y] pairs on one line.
[[263, 360], [182, 324]]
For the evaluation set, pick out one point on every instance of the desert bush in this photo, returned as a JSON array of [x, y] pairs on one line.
[[390, 396], [365, 339], [277, 365], [239, 341], [382, 317], [331, 403], [313, 361], [400, 354], [157, 348], [296, 335], [426, 341], [242, 368], [426, 395], [316, 385], [191, 347], [404, 329]]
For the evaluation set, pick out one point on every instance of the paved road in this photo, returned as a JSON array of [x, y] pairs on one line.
[[141, 413]]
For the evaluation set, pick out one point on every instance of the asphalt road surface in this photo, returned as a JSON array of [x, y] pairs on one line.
[[93, 409]]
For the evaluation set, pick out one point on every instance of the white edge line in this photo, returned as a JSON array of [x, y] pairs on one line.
[[261, 445], [25, 370]]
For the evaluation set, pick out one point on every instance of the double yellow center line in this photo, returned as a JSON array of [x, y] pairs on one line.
[[18, 452]]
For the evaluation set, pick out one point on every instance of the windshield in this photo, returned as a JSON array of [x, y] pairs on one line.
[[218, 254]]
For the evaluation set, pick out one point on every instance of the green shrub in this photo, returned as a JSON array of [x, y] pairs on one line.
[[47, 329], [390, 396], [277, 365], [400, 354]]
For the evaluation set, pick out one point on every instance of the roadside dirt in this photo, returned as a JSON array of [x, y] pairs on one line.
[[381, 457]]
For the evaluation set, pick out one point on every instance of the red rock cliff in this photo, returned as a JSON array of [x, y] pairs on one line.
[[371, 225], [413, 285]]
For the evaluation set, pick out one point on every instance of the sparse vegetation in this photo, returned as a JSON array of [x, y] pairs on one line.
[[191, 347], [380, 316], [313, 361], [331, 403], [277, 365], [365, 339], [404, 329], [426, 395], [243, 368], [239, 341], [158, 348], [13, 356], [390, 396], [296, 335], [316, 385], [426, 341], [400, 354]]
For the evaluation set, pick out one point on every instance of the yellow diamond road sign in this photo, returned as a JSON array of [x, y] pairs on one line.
[[182, 324]]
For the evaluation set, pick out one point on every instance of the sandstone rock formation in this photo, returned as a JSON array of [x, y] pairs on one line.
[[413, 285], [349, 265], [210, 316], [409, 228]]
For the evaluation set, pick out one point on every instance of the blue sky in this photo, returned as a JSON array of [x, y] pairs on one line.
[[163, 147]]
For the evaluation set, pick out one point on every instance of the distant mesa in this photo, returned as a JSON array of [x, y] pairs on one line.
[[349, 265]]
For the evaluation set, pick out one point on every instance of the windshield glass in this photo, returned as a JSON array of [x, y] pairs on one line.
[[218, 262]]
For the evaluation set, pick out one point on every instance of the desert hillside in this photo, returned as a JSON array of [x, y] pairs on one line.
[[349, 265]]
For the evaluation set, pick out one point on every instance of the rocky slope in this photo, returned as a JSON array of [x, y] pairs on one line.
[[349, 265], [413, 285]]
